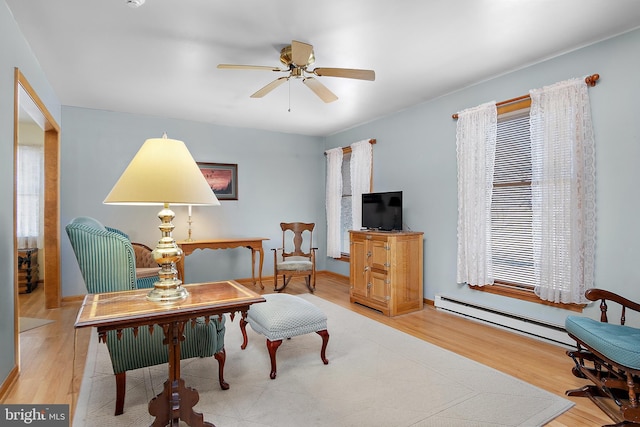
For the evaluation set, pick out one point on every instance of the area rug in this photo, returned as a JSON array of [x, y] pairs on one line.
[[376, 376], [27, 323]]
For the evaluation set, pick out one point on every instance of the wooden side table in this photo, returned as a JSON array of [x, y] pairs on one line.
[[130, 309], [252, 243]]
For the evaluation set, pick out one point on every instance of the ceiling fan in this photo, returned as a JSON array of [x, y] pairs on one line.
[[296, 57]]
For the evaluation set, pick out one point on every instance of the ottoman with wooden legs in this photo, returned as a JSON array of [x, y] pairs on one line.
[[285, 316]]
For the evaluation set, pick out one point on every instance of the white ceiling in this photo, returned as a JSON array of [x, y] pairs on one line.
[[160, 59]]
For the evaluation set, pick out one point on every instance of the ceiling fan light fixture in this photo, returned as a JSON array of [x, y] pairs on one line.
[[296, 57], [297, 51]]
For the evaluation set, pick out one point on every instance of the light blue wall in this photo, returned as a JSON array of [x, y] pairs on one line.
[[280, 178], [14, 52], [416, 153]]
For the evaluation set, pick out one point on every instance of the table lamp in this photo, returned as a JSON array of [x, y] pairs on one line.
[[163, 173]]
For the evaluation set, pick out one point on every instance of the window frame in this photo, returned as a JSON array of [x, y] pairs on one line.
[[510, 289]]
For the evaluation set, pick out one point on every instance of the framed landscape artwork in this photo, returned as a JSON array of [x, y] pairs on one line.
[[222, 178]]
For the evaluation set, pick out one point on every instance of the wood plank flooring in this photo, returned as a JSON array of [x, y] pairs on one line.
[[53, 356]]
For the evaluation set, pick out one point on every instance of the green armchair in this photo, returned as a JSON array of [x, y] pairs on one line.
[[107, 261]]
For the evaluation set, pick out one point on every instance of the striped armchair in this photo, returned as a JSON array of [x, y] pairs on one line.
[[107, 262]]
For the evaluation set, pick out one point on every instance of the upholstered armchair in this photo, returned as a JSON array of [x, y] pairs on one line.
[[107, 261], [146, 267]]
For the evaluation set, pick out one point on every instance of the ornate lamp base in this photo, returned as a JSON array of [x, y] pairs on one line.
[[166, 254], [167, 295]]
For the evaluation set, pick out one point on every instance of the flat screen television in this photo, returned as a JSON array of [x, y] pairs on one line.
[[382, 211]]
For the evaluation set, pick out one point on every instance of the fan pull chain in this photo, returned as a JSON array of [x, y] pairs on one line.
[[289, 85]]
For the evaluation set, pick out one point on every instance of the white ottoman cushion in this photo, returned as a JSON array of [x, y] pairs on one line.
[[285, 316]]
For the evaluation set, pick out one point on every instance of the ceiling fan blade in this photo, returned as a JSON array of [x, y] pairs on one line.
[[350, 73], [248, 67], [319, 89], [268, 88], [300, 53]]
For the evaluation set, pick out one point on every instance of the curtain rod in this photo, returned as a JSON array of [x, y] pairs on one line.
[[589, 80], [347, 150]]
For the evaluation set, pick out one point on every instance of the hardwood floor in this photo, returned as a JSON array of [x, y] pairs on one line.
[[47, 354], [54, 354]]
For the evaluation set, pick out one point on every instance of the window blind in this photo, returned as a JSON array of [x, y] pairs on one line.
[[511, 214]]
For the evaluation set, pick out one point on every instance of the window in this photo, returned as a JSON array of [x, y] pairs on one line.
[[511, 214], [512, 229], [29, 193], [348, 177], [526, 196]]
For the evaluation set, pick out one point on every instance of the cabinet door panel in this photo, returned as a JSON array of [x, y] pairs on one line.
[[379, 251], [358, 269], [379, 289]]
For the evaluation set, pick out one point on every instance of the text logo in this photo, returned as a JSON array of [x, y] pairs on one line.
[[34, 415]]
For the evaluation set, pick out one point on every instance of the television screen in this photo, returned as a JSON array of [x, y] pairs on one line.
[[382, 211]]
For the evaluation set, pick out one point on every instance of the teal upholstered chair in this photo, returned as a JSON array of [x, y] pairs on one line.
[[608, 354], [107, 261]]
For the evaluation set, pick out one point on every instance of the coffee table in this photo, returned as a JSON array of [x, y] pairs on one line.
[[130, 309]]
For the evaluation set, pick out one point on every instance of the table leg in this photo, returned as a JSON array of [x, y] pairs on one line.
[[253, 265], [261, 262], [176, 401]]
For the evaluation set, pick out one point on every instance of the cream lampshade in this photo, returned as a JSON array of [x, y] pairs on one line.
[[163, 173]]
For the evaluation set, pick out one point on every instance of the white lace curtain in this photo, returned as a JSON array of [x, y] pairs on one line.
[[475, 144], [333, 199], [30, 190], [563, 191], [360, 173], [360, 176]]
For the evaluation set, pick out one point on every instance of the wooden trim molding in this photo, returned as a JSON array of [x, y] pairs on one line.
[[80, 298], [525, 295], [8, 382], [51, 250], [327, 273]]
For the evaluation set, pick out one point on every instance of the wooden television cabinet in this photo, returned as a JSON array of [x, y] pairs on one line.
[[386, 270]]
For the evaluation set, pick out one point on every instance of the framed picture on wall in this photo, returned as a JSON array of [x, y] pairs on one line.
[[222, 178]]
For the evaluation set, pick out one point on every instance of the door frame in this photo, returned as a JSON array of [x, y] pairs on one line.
[[51, 265]]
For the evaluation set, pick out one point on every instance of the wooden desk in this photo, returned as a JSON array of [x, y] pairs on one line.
[[253, 243], [130, 309]]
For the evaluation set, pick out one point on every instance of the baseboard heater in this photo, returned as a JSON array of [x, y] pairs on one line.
[[520, 324]]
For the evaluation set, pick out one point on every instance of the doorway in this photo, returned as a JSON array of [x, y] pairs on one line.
[[27, 102]]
